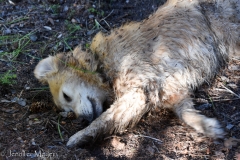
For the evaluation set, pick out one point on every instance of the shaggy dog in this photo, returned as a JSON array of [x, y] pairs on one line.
[[158, 62]]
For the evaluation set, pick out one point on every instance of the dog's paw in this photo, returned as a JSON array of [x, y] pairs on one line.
[[78, 138], [72, 142], [212, 128]]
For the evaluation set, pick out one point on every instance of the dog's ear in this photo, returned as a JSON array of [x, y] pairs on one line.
[[45, 68], [98, 43]]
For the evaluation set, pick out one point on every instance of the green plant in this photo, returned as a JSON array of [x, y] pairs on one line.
[[55, 8], [101, 13], [20, 19], [70, 14], [8, 78], [87, 45], [93, 10], [11, 46], [97, 24], [20, 44], [71, 27], [59, 130]]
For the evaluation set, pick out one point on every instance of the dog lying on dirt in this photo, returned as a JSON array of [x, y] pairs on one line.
[[158, 62]]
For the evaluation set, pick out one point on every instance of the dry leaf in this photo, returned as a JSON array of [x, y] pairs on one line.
[[51, 21]]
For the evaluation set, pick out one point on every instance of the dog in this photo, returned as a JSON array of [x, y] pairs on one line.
[[158, 62]]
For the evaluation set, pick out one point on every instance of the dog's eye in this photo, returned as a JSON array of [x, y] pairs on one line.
[[67, 98]]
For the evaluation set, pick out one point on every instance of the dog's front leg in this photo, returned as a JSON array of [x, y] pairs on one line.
[[125, 112]]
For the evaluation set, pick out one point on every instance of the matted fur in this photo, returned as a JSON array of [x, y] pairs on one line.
[[154, 63]]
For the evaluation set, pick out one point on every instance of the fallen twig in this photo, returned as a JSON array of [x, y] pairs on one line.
[[140, 135], [230, 91], [100, 25], [107, 15], [224, 100]]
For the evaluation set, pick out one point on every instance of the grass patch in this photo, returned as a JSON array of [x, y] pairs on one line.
[[55, 8], [10, 48], [87, 46], [17, 20], [8, 78], [95, 11], [13, 45], [71, 27], [71, 35], [17, 45]]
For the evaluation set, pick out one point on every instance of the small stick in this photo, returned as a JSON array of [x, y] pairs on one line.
[[106, 23], [230, 91], [140, 135], [99, 24], [107, 15], [223, 100]]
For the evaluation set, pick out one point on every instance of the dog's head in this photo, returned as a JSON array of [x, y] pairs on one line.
[[74, 83]]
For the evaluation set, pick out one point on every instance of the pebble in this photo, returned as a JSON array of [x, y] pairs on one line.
[[91, 16], [33, 37], [27, 88], [90, 32], [229, 126], [204, 106], [73, 20], [2, 14], [7, 31], [65, 9], [59, 36], [47, 28], [20, 101]]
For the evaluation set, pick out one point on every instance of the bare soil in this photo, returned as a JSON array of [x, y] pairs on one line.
[[29, 123]]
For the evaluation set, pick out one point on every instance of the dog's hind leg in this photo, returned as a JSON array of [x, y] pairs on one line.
[[208, 126]]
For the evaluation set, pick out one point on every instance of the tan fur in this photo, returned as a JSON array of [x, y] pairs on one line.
[[154, 63]]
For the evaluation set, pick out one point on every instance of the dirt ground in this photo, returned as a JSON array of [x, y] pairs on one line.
[[31, 129]]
